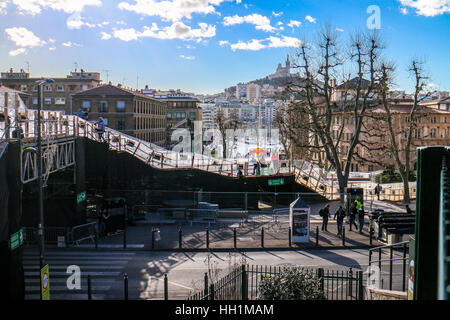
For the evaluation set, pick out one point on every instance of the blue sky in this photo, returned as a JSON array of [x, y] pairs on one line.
[[204, 46]]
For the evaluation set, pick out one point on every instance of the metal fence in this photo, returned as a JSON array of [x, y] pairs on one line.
[[55, 235], [243, 283], [385, 272]]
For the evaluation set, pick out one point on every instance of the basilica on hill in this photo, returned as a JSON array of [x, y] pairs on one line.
[[282, 71]]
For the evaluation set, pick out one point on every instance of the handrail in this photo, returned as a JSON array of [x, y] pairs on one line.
[[318, 180], [389, 245]]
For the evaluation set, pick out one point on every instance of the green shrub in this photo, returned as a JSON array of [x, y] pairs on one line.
[[390, 176], [291, 284]]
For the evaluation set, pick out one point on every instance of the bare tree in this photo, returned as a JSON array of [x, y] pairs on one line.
[[225, 123], [319, 64], [387, 134]]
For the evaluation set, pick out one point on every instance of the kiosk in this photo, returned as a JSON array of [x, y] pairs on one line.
[[299, 221]]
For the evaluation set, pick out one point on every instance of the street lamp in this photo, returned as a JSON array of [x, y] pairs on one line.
[[39, 173]]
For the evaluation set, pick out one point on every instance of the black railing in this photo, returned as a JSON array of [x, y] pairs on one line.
[[396, 252], [244, 283]]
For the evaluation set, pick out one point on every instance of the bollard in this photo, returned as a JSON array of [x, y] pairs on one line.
[[206, 284], [343, 236], [370, 236], [207, 238], [166, 287], [96, 239], [234, 237], [317, 236], [350, 282], [262, 237], [125, 286], [153, 239], [89, 288], [290, 237], [180, 238]]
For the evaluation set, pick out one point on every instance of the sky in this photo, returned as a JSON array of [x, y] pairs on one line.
[[205, 46]]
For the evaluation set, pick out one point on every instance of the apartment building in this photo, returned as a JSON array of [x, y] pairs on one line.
[[130, 112], [57, 95]]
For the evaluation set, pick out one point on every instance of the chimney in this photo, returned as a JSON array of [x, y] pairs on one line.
[[110, 83]]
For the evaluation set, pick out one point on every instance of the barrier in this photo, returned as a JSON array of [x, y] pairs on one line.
[[84, 232]]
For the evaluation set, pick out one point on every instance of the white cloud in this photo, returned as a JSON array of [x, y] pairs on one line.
[[121, 23], [404, 11], [260, 22], [252, 45], [294, 23], [177, 30], [428, 8], [275, 14], [188, 46], [224, 43], [34, 7], [310, 19], [187, 57], [3, 5], [284, 41], [270, 42], [105, 36], [24, 38], [50, 40], [75, 21], [17, 52], [340, 29], [52, 48], [171, 10], [70, 44]]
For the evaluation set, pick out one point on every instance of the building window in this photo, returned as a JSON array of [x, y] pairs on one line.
[[370, 168], [169, 115], [120, 107], [48, 88], [23, 88], [417, 134], [72, 87], [86, 105], [192, 115], [433, 119], [120, 124], [103, 106], [60, 88], [433, 133], [84, 87], [48, 101], [35, 88], [60, 101], [35, 101]]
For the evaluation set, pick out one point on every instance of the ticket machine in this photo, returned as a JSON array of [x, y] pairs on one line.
[[299, 221]]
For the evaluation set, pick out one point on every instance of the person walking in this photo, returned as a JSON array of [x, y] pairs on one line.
[[325, 214], [339, 217], [353, 213], [361, 219], [100, 128], [378, 191]]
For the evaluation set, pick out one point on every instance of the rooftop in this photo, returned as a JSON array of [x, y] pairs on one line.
[[111, 90]]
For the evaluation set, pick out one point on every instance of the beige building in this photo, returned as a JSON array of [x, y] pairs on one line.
[[57, 95], [432, 128], [130, 112]]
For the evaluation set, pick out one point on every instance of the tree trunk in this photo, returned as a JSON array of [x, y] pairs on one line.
[[406, 195]]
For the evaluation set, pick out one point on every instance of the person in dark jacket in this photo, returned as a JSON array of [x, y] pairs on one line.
[[361, 219], [339, 217], [325, 214]]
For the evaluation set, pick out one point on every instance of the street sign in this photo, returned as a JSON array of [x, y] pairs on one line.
[[81, 197], [16, 240], [45, 283], [276, 182]]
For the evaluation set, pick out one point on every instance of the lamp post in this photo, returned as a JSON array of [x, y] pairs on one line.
[[39, 174]]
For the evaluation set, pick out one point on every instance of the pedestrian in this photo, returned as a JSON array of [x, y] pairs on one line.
[[240, 174], [325, 214], [339, 217], [100, 128], [361, 219], [353, 213], [255, 167], [378, 191]]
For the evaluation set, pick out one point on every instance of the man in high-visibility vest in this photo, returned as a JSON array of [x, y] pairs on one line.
[[358, 204]]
